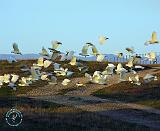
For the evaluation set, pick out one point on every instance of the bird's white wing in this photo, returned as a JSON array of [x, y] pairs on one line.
[[15, 47], [73, 61], [88, 76], [34, 74], [94, 50], [100, 58], [84, 50], [40, 61], [14, 78], [102, 39], [154, 37], [44, 52], [47, 63], [6, 78], [130, 62]]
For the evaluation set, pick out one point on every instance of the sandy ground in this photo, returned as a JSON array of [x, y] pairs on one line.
[[128, 112], [73, 90], [80, 97]]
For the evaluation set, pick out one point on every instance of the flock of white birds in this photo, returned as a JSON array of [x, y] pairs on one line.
[[98, 77]]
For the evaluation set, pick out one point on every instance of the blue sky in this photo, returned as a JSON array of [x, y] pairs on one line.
[[35, 23]]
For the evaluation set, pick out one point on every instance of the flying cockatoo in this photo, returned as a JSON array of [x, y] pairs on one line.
[[94, 50], [130, 62], [73, 61], [61, 71], [88, 76], [83, 69], [97, 78], [47, 63], [109, 70], [44, 77], [102, 39], [16, 49], [24, 81], [136, 59], [40, 61], [34, 74], [130, 50], [149, 77], [85, 49], [44, 52], [119, 67], [56, 66], [7, 78], [153, 40], [122, 74], [120, 55], [135, 80], [100, 57], [65, 82], [68, 55], [55, 45], [53, 80], [133, 60], [151, 56], [14, 78]]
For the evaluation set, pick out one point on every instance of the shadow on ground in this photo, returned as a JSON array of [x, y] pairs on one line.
[[40, 115]]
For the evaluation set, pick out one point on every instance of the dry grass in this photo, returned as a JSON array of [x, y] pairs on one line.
[[40, 115], [7, 68], [146, 94]]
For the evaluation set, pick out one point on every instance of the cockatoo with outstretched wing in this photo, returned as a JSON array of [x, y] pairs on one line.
[[55, 45], [94, 50], [135, 80], [153, 40], [85, 50]]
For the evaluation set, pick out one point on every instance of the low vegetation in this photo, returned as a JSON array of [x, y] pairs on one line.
[[146, 93], [40, 115]]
